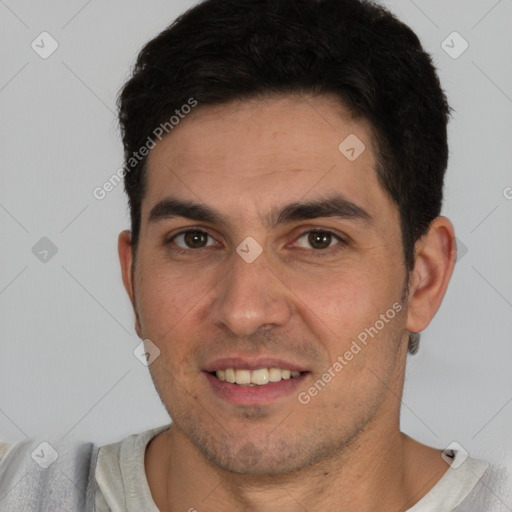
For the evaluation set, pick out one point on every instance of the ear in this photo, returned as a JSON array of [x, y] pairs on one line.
[[436, 253], [124, 247]]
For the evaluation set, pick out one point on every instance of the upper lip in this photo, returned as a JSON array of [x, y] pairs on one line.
[[246, 363]]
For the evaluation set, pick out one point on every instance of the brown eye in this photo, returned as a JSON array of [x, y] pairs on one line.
[[192, 239], [317, 240]]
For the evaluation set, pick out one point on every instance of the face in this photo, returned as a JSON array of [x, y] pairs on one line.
[[263, 246]]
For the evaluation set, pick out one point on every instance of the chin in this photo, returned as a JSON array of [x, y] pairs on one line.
[[270, 458]]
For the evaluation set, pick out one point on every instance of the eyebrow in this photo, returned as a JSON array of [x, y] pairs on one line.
[[334, 206]]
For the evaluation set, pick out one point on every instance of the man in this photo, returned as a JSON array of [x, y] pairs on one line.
[[284, 164]]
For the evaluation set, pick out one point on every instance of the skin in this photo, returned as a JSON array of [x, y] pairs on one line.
[[343, 450]]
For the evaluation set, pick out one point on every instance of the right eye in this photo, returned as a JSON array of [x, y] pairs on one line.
[[192, 239]]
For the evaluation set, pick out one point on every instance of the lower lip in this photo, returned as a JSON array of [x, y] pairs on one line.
[[254, 395]]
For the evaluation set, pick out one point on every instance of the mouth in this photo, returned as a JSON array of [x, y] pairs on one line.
[[256, 377], [254, 382]]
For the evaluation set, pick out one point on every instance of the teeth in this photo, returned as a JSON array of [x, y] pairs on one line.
[[258, 377], [230, 375], [243, 376], [275, 374]]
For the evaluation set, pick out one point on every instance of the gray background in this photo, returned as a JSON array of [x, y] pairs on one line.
[[66, 364]]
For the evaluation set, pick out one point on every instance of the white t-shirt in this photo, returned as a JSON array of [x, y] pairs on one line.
[[123, 486]]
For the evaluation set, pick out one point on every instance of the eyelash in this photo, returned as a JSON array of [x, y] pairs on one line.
[[314, 252]]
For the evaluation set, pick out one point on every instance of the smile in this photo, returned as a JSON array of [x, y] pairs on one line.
[[257, 377]]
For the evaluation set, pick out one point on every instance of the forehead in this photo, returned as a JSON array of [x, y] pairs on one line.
[[261, 152]]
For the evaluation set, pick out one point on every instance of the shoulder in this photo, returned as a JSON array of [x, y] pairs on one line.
[[4, 447], [45, 473], [493, 490], [120, 473], [132, 447]]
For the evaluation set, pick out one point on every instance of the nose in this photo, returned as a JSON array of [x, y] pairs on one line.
[[250, 297]]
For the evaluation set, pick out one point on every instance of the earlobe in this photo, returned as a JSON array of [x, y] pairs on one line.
[[124, 247], [435, 259]]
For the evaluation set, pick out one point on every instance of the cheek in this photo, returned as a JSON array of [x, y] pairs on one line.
[[338, 299], [168, 301], [169, 306], [351, 313]]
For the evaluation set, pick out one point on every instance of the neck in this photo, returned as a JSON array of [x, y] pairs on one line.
[[353, 480]]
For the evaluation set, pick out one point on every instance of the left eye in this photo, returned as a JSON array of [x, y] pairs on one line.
[[317, 240]]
